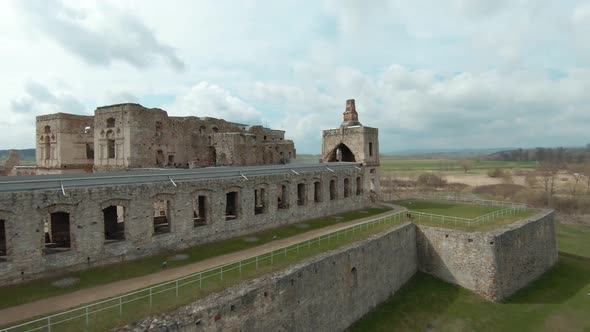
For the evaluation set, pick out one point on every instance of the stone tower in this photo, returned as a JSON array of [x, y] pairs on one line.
[[353, 142]]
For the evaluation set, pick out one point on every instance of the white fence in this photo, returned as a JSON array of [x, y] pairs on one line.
[[80, 318], [451, 220], [454, 198]]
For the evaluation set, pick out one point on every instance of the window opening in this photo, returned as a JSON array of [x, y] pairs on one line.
[[162, 217], [317, 192], [114, 223], [57, 233], [200, 211], [231, 205]]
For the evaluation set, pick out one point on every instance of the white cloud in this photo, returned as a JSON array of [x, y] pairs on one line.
[[206, 99]]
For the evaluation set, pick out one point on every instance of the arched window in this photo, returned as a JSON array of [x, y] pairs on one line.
[[110, 122], [47, 129]]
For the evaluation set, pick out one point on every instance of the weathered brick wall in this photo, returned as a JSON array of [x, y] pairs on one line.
[[493, 264], [328, 292], [24, 213]]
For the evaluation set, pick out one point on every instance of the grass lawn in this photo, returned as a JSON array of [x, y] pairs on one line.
[[574, 239], [448, 208], [558, 301], [38, 289]]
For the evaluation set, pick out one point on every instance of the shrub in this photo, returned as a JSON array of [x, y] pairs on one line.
[[531, 180], [496, 173], [431, 180]]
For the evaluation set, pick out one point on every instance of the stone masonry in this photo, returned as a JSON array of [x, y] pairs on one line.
[[127, 136], [48, 232]]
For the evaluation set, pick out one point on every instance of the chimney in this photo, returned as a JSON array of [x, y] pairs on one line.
[[351, 117]]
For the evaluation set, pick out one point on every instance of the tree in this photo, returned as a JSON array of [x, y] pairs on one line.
[[577, 173], [548, 171], [466, 164]]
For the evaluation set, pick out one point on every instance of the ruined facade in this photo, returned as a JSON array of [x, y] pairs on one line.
[[125, 136], [353, 142], [51, 224]]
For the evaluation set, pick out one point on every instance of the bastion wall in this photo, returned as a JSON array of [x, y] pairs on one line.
[[328, 292], [493, 264]]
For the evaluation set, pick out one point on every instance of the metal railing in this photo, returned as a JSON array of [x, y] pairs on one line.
[[195, 282], [446, 220], [454, 198]]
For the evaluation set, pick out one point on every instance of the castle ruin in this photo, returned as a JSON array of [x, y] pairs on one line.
[[127, 136]]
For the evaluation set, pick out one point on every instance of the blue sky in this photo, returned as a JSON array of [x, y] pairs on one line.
[[429, 74]]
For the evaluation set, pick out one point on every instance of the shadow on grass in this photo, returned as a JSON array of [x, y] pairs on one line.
[[416, 306], [564, 280]]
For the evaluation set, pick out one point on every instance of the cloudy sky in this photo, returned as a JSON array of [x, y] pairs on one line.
[[428, 74]]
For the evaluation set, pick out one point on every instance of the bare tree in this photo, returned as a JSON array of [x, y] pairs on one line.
[[577, 173], [548, 171], [466, 164]]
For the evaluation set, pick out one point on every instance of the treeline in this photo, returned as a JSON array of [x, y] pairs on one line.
[[560, 155]]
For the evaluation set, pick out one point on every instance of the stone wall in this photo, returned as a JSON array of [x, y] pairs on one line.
[[328, 292], [493, 264], [25, 214]]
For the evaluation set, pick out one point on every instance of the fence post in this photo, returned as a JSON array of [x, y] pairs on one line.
[[49, 323], [257, 262], [176, 288], [120, 306], [285, 251], [201, 279], [150, 298], [221, 274], [240, 264], [86, 315]]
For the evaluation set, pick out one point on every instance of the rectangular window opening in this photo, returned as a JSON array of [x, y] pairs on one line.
[[162, 217], [231, 205], [301, 194], [89, 151], [359, 186], [200, 211], [332, 190], [3, 246], [370, 149], [259, 201], [114, 223], [111, 148], [57, 233], [283, 198], [317, 192], [346, 187]]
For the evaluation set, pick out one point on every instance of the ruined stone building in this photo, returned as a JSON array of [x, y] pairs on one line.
[[60, 222], [125, 136], [353, 142]]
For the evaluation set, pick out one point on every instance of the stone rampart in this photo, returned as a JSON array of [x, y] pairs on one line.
[[328, 292], [493, 264]]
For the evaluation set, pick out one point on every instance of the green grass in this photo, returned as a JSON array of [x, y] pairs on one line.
[[448, 164], [453, 209], [39, 289], [169, 299], [558, 301], [448, 208], [574, 239]]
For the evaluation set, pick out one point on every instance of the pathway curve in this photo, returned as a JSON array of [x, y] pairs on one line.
[[97, 293]]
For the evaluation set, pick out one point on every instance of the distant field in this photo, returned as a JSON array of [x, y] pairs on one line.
[[389, 163]]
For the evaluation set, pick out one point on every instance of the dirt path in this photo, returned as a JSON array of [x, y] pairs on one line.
[[93, 294]]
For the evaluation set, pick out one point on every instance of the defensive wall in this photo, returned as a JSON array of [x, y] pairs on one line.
[[493, 264], [328, 292], [89, 222], [331, 291]]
